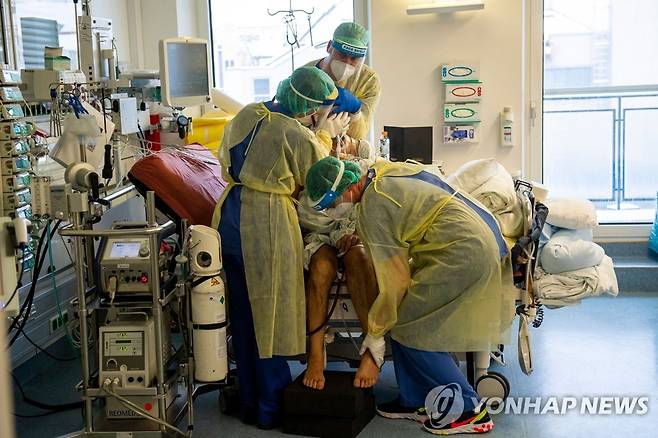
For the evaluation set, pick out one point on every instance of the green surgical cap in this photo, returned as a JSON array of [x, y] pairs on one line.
[[322, 175], [351, 39], [305, 90]]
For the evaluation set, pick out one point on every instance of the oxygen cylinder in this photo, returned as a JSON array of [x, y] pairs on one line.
[[209, 329]]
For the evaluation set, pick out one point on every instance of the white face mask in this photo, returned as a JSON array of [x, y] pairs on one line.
[[341, 70]]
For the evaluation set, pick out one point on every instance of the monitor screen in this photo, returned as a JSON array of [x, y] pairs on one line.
[[121, 250], [188, 69]]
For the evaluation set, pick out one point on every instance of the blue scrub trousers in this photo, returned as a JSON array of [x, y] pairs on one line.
[[261, 381], [418, 372]]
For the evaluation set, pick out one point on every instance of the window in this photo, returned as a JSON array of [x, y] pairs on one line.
[[601, 105], [251, 50], [40, 23], [262, 90]]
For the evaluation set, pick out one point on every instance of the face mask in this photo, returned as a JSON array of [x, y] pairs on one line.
[[341, 70]]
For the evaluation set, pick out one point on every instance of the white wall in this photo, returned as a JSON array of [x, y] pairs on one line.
[[117, 11], [408, 50]]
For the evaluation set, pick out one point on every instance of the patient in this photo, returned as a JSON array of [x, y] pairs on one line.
[[329, 235]]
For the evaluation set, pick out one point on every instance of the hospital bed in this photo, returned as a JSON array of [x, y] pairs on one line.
[[187, 185]]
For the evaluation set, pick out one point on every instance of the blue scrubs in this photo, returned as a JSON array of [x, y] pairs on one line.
[[261, 381], [418, 372]]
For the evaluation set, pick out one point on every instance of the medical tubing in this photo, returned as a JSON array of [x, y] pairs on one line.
[[539, 318], [41, 349], [137, 409], [331, 312], [25, 303], [33, 287], [51, 269]]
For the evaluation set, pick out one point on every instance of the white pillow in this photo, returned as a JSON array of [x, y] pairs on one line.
[[565, 252], [571, 213], [473, 174]]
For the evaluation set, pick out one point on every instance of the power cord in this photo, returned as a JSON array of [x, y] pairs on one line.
[[26, 309], [41, 349], [45, 406], [18, 285]]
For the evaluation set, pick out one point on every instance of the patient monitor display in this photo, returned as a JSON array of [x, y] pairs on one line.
[[124, 249], [184, 72]]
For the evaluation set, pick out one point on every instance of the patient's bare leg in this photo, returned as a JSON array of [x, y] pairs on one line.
[[362, 284], [322, 273]]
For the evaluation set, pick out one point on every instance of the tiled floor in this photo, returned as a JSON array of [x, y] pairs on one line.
[[604, 347]]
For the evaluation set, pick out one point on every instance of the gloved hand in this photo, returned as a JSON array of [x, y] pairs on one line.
[[335, 124], [346, 101], [377, 347]]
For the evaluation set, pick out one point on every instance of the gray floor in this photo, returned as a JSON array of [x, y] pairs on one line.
[[604, 347]]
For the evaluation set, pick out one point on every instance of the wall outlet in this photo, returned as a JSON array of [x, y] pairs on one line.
[[57, 322]]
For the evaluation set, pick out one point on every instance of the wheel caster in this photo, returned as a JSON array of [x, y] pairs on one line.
[[493, 385], [229, 400]]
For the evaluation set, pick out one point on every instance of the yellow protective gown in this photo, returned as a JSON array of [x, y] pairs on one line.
[[278, 157], [442, 283], [365, 85]]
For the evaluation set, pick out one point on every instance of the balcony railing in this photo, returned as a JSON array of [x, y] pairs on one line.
[[602, 144]]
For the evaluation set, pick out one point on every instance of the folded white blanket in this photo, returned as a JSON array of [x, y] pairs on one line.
[[573, 286]]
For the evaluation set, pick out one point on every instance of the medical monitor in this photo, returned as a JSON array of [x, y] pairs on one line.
[[410, 143], [184, 72]]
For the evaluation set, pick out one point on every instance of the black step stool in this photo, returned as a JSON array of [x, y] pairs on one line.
[[338, 411]]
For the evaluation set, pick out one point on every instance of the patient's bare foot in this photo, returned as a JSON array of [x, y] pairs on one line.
[[368, 372], [314, 374]]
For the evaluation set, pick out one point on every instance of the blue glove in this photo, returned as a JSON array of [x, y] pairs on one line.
[[346, 102]]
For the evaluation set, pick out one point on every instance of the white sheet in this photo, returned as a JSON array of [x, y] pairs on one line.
[[573, 286]]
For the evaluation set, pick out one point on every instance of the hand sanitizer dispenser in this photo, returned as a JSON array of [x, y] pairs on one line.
[[506, 125]]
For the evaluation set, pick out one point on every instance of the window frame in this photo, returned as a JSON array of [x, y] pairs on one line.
[[533, 153], [361, 12]]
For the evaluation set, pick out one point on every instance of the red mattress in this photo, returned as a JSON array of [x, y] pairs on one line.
[[187, 183]]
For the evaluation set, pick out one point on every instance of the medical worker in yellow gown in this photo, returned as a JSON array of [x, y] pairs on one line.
[[444, 277], [358, 84], [265, 154]]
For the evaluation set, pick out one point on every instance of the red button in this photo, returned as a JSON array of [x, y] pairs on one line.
[[144, 278], [148, 406]]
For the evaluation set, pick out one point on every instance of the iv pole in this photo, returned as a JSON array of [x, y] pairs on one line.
[[291, 27]]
